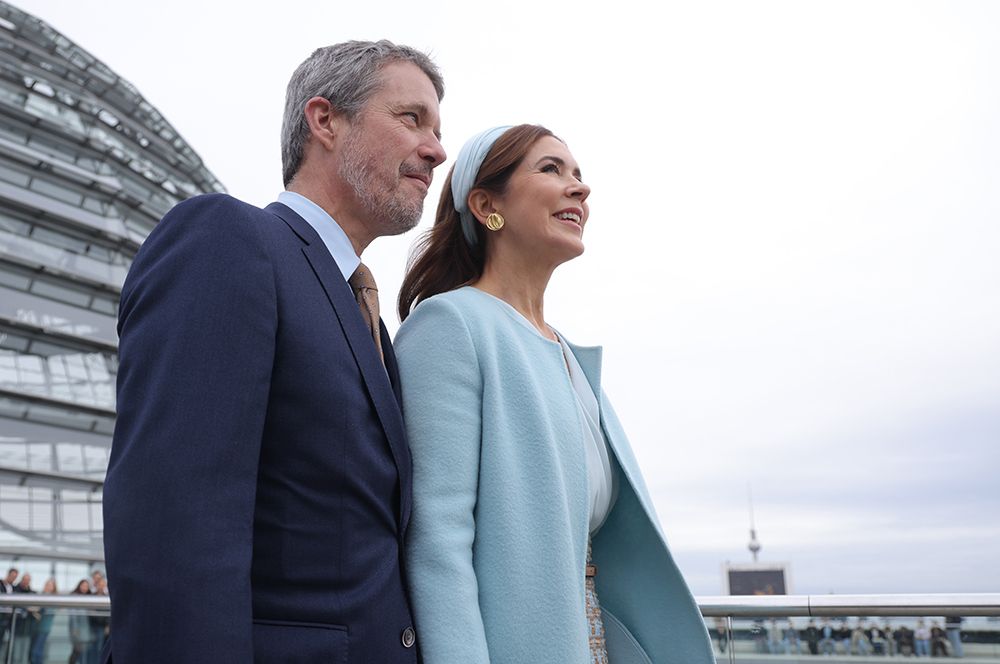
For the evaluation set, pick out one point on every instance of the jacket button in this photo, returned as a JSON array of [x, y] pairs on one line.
[[408, 637]]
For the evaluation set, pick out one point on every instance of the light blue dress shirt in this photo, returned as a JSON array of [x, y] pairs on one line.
[[333, 236]]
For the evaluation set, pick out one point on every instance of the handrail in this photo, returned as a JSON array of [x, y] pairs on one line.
[[26, 600], [782, 606], [737, 606]]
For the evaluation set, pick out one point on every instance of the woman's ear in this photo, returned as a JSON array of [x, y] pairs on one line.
[[481, 203]]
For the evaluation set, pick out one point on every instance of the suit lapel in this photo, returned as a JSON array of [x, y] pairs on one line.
[[376, 376]]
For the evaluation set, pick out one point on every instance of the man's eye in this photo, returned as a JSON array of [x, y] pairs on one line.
[[412, 116]]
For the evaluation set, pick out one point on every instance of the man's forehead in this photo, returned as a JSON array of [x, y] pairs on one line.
[[403, 77]]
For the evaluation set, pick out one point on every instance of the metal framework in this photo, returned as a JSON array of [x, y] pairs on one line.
[[87, 168]]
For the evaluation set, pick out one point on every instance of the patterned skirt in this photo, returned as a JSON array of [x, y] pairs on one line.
[[598, 648]]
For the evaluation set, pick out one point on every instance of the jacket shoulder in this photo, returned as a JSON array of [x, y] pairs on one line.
[[212, 209], [473, 309]]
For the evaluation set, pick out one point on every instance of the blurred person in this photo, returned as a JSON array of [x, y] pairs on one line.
[[790, 639], [259, 454], [939, 640], [7, 586], [27, 621], [80, 634], [100, 623], [759, 635], [877, 638], [890, 641], [722, 634], [844, 636], [904, 638], [812, 634], [774, 645], [96, 579], [6, 614], [40, 637], [953, 627], [828, 637], [534, 538], [922, 639], [859, 641]]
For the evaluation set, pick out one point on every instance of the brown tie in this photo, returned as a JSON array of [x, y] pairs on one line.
[[366, 293]]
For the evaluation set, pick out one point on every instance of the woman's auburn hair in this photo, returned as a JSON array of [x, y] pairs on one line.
[[442, 260]]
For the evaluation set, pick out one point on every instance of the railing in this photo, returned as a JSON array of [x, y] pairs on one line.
[[43, 629], [842, 628], [785, 606]]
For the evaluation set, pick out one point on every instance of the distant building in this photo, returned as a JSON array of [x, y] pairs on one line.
[[87, 167], [756, 579]]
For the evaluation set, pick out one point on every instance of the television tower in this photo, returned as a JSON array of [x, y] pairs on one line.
[[754, 544]]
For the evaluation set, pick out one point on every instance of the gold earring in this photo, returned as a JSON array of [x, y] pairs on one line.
[[494, 222]]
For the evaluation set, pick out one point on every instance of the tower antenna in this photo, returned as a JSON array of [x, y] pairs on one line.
[[754, 544]]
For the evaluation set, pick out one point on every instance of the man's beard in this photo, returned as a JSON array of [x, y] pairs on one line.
[[391, 212]]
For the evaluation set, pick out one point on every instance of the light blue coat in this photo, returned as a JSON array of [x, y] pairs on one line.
[[497, 541]]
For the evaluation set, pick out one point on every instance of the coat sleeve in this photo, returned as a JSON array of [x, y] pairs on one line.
[[442, 403], [197, 328]]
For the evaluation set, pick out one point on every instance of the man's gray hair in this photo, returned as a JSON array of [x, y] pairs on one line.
[[347, 75]]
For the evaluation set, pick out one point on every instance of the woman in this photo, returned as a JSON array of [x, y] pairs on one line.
[[41, 634], [922, 639], [80, 635], [519, 461]]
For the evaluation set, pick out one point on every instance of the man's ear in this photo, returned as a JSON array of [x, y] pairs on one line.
[[482, 204], [325, 122]]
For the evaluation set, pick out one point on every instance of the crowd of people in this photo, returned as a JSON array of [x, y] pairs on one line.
[[30, 628], [863, 639]]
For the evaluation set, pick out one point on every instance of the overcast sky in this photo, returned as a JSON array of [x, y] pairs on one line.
[[792, 258]]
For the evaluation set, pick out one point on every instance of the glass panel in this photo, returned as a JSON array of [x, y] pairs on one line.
[[14, 280], [12, 133], [13, 176], [60, 191], [51, 635], [56, 239], [94, 205], [42, 107], [14, 225], [84, 266], [13, 341], [62, 293], [105, 305], [854, 639], [56, 317], [59, 373], [102, 425]]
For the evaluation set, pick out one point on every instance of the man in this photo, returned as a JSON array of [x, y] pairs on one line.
[[6, 587], [259, 485], [27, 619]]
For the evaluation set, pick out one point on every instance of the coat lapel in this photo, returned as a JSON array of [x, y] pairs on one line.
[[590, 359], [375, 374]]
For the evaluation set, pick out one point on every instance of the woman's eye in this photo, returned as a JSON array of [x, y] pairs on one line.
[[550, 168]]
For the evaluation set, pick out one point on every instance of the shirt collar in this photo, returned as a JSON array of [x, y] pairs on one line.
[[333, 236]]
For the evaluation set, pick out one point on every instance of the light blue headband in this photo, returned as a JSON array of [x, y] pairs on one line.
[[463, 176]]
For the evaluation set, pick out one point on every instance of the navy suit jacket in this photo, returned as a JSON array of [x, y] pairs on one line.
[[259, 482]]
